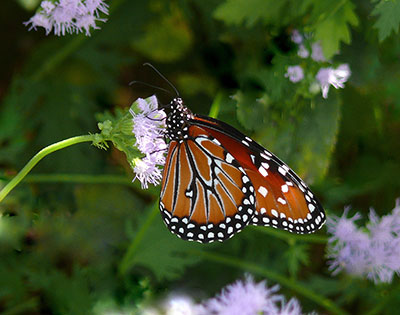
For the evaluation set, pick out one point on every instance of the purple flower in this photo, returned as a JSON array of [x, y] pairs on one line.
[[149, 128], [303, 52], [335, 77], [296, 37], [373, 253], [295, 73], [68, 16], [250, 298], [317, 53], [180, 305]]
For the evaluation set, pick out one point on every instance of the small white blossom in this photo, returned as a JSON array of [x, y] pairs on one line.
[[335, 77], [303, 52], [294, 73], [68, 16], [373, 253], [316, 52], [149, 128], [296, 37]]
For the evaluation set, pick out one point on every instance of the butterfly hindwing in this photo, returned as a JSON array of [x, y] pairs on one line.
[[206, 195]]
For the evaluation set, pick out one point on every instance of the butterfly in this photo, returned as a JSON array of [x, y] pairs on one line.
[[216, 181]]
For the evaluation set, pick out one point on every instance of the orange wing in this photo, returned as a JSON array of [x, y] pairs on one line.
[[206, 195], [283, 200]]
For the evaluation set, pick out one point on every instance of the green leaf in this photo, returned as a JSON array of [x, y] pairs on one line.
[[249, 12], [165, 39], [296, 256], [333, 26], [388, 12], [162, 252]]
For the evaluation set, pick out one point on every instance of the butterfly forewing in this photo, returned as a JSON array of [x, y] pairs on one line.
[[206, 195], [283, 200]]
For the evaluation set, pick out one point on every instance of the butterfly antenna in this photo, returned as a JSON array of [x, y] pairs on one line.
[[150, 85], [160, 74]]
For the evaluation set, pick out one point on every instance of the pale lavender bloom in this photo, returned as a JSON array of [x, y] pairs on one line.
[[147, 172], [316, 52], [296, 37], [335, 77], [149, 128], [68, 16], [373, 253], [295, 73], [180, 305], [250, 298], [303, 51]]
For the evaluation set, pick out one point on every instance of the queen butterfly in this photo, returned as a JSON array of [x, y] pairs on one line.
[[216, 181]]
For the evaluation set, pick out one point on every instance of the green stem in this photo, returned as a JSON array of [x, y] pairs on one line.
[[295, 286], [40, 155], [286, 236], [126, 262]]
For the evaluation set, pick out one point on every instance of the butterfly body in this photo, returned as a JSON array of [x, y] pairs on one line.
[[216, 181]]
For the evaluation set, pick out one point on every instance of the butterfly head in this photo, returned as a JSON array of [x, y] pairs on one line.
[[177, 120]]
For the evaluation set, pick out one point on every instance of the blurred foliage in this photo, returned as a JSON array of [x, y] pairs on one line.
[[80, 248]]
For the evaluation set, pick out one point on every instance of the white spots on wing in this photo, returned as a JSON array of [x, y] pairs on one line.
[[253, 158], [263, 171], [266, 157], [263, 191], [285, 188], [189, 193], [262, 210], [265, 165], [248, 139], [229, 158], [245, 143], [274, 213], [245, 179], [282, 170], [281, 200], [311, 207], [216, 141]]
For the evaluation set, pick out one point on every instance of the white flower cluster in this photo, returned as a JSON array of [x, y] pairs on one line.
[[326, 76], [244, 297], [373, 252], [68, 16], [148, 128]]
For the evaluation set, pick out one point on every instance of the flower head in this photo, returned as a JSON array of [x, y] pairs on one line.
[[68, 16], [303, 52], [295, 73], [316, 52], [148, 128], [373, 253], [335, 77], [296, 37], [250, 298]]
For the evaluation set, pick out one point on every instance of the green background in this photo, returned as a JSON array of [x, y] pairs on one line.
[[77, 237]]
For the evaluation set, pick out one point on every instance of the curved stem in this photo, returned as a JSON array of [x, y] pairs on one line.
[[295, 286], [40, 155]]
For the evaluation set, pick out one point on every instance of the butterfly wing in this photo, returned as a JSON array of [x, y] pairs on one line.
[[283, 200], [206, 195]]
